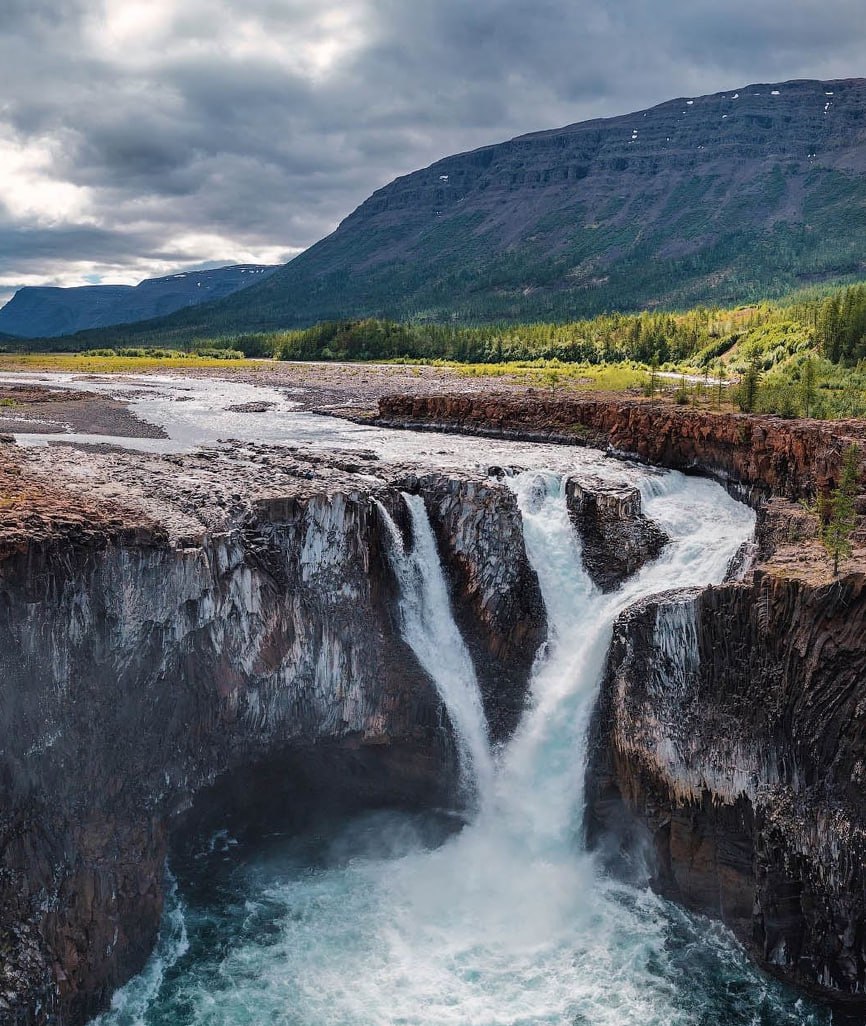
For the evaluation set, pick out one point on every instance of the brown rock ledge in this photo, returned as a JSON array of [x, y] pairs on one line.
[[791, 458]]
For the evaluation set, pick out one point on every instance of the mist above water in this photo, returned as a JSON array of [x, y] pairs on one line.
[[396, 919]]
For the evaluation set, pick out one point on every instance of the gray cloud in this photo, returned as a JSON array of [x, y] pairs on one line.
[[138, 137]]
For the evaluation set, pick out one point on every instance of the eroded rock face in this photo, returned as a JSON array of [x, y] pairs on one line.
[[617, 539], [732, 730], [494, 591], [729, 742], [760, 455], [237, 609]]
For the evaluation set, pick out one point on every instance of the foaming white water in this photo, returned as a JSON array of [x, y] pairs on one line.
[[131, 1004], [541, 780], [429, 628], [509, 922]]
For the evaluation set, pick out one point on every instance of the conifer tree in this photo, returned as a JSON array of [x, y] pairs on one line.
[[654, 369], [808, 386], [837, 513], [747, 393], [721, 374]]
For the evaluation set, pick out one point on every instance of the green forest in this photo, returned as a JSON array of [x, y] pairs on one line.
[[831, 326], [804, 355]]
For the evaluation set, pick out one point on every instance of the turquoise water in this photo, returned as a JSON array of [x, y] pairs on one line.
[[397, 919], [361, 922]]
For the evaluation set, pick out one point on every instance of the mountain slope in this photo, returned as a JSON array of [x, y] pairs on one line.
[[719, 198], [45, 312]]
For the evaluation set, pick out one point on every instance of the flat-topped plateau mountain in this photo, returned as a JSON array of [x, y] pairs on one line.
[[719, 199], [47, 311]]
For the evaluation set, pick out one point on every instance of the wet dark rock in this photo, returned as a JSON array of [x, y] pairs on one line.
[[729, 745], [495, 593], [731, 735], [617, 538], [253, 407], [168, 622], [755, 456]]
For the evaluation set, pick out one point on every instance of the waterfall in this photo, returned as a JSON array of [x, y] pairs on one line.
[[428, 627], [536, 790], [541, 780], [508, 921]]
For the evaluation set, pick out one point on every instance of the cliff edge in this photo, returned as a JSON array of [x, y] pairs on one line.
[[729, 743]]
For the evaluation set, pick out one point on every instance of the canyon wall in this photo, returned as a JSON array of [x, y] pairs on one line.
[[167, 622], [731, 733], [729, 743], [170, 623], [791, 458]]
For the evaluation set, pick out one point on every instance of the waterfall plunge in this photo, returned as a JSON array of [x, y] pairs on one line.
[[508, 922], [428, 627]]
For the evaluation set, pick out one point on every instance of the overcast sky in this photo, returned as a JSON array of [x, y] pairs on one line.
[[137, 138]]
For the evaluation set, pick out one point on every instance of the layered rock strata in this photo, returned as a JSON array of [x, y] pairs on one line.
[[767, 455], [168, 621], [729, 741], [617, 538]]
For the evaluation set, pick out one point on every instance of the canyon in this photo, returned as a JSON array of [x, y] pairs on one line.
[[728, 739], [177, 626]]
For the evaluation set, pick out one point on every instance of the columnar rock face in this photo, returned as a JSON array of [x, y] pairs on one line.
[[732, 727], [238, 609], [617, 538], [730, 738], [171, 622]]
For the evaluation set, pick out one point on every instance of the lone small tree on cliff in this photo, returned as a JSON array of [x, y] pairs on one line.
[[551, 378], [721, 375], [837, 511], [654, 370]]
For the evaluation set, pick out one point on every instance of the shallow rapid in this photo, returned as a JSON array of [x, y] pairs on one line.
[[397, 918]]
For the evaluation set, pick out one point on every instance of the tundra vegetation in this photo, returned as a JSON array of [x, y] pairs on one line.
[[802, 356]]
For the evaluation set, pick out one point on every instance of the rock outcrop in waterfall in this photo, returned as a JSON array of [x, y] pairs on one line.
[[617, 538]]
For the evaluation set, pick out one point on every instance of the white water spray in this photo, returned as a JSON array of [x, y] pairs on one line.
[[509, 922], [429, 628], [541, 780]]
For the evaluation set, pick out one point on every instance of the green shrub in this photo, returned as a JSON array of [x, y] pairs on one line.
[[220, 354]]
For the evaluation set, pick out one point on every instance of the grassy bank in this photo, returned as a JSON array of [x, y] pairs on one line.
[[85, 363]]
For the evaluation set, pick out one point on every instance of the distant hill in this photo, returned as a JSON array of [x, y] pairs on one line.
[[725, 198], [45, 312]]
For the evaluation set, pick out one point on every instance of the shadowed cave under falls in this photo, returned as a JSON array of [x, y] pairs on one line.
[[299, 909]]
